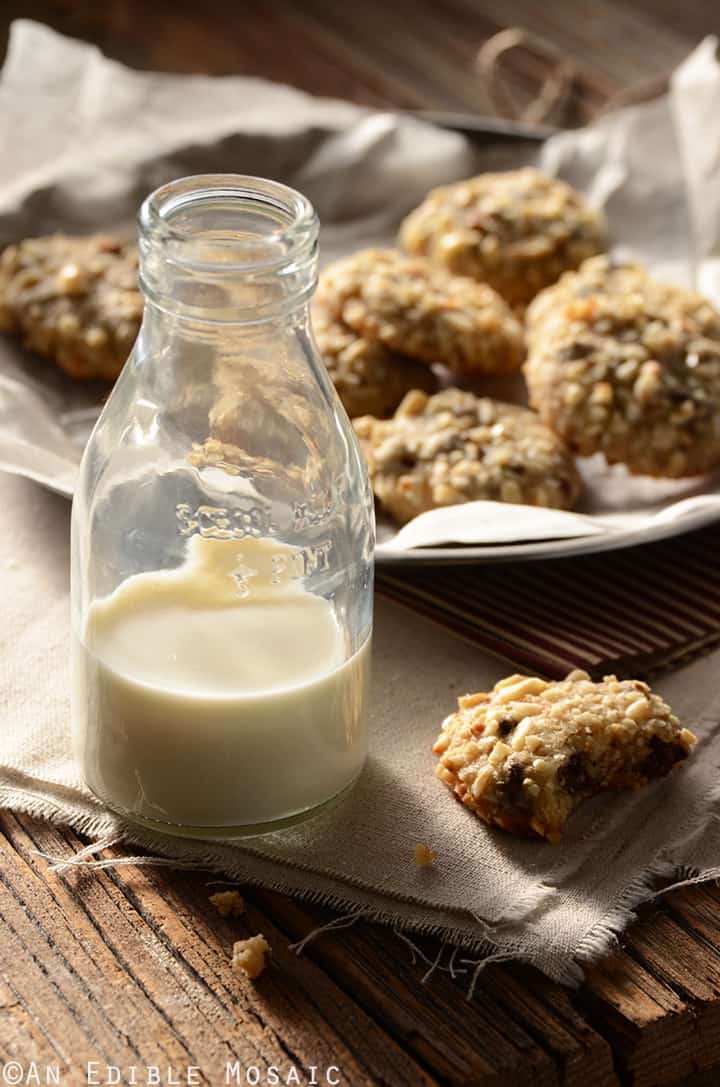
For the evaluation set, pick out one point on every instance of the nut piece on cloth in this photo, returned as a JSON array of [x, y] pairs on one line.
[[518, 230], [456, 447], [424, 855], [421, 310], [525, 754], [250, 957], [624, 365], [228, 903], [369, 378], [74, 301]]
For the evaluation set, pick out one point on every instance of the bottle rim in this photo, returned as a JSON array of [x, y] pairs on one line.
[[158, 211], [281, 249]]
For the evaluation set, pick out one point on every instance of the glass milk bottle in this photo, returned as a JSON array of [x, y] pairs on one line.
[[222, 534]]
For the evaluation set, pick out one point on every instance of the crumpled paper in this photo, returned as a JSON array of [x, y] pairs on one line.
[[97, 137]]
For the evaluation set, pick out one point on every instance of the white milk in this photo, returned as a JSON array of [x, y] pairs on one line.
[[208, 696]]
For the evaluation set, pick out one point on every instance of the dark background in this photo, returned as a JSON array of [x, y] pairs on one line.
[[406, 53]]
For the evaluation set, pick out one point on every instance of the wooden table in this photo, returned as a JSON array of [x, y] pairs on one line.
[[130, 967]]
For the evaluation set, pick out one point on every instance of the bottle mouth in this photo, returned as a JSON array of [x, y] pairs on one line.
[[227, 247]]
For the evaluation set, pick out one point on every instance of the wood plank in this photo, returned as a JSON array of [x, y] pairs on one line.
[[658, 1002], [99, 996], [507, 1032], [159, 927], [646, 1023], [409, 44], [550, 1013], [221, 39], [133, 966], [20, 1032], [676, 956], [655, 1031], [405, 54], [697, 907], [691, 20]]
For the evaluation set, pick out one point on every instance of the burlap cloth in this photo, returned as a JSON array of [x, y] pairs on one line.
[[497, 896], [553, 906]]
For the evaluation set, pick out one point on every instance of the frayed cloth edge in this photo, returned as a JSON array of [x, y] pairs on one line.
[[600, 939]]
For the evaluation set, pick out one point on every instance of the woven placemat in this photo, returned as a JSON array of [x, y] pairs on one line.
[[633, 611]]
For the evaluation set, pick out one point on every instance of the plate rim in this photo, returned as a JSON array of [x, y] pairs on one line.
[[537, 550]]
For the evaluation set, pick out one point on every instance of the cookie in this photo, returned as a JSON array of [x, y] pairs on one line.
[[525, 754], [419, 309], [456, 447], [623, 365], [369, 378], [75, 301], [518, 230]]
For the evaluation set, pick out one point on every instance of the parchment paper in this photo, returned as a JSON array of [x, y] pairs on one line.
[[97, 137]]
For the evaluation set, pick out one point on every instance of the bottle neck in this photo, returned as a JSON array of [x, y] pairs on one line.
[[228, 266], [162, 326], [176, 352]]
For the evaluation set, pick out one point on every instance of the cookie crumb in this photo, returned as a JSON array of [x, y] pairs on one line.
[[228, 903], [424, 855], [250, 957]]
